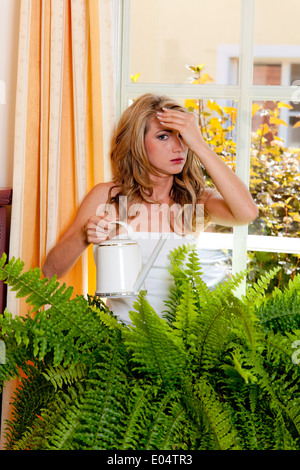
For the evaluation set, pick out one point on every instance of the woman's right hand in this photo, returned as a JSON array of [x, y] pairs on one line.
[[98, 228]]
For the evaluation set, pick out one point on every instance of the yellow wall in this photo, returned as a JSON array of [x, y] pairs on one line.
[[167, 34], [277, 22]]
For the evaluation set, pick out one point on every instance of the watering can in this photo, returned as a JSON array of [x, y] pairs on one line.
[[119, 269]]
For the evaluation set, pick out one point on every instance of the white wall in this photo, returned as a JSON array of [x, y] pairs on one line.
[[9, 37]]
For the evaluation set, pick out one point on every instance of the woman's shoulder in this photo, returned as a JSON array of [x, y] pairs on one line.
[[95, 198], [207, 194], [101, 191]]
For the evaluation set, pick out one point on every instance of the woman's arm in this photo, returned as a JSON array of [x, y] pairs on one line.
[[86, 228], [232, 203]]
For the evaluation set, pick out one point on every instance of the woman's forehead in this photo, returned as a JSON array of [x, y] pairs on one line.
[[154, 124]]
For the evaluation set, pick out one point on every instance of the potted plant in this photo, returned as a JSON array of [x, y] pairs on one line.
[[218, 372]]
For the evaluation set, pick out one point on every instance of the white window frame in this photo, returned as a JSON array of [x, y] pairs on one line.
[[245, 92], [279, 54]]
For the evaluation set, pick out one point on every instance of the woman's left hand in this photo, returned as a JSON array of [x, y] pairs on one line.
[[185, 124]]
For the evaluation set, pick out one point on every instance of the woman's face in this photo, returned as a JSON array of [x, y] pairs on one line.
[[166, 151]]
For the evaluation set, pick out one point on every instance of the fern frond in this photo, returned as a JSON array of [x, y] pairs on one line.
[[185, 323], [197, 314], [281, 311], [243, 368], [69, 326], [245, 325], [59, 375], [215, 417], [32, 394], [213, 334], [177, 259], [229, 286], [106, 316], [62, 422], [283, 438], [139, 404], [153, 421], [103, 406], [255, 426], [284, 396], [166, 424], [278, 355], [153, 348], [255, 294], [42, 432]]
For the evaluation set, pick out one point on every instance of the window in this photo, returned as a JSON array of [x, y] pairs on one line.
[[284, 72], [246, 62]]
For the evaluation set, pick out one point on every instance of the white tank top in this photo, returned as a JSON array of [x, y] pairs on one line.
[[159, 280]]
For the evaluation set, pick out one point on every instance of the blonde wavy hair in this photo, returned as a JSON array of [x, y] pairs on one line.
[[130, 164]]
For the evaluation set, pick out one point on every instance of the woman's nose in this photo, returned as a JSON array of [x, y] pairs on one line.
[[178, 144]]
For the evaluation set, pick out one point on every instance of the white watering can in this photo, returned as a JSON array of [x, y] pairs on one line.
[[120, 272]]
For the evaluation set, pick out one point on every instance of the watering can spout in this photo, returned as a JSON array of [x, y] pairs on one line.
[[144, 273]]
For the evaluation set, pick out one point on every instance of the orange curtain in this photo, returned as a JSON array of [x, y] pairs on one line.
[[58, 154], [58, 140]]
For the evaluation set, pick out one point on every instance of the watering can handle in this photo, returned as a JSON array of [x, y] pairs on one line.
[[128, 227], [144, 273]]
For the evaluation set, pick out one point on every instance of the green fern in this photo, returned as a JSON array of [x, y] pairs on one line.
[[59, 375], [139, 402], [256, 294], [281, 311], [31, 395], [218, 374], [153, 347], [166, 424], [215, 417], [102, 406], [59, 329]]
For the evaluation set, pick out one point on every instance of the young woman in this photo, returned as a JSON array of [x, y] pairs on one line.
[[157, 154]]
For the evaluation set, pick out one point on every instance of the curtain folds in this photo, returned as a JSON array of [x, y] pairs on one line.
[[59, 134], [60, 149]]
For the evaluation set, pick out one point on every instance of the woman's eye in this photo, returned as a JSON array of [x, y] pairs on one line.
[[162, 137]]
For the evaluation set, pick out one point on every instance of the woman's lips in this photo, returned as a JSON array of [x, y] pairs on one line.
[[177, 160]]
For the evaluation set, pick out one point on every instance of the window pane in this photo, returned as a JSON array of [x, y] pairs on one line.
[[295, 80], [260, 262], [275, 170], [295, 73], [277, 23], [267, 74], [167, 35], [276, 39]]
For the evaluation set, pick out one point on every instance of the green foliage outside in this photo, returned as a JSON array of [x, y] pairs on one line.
[[274, 173], [218, 373]]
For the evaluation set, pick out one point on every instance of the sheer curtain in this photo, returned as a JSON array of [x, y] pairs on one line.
[[64, 90]]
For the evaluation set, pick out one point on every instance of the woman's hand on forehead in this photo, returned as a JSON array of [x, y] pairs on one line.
[[185, 124]]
